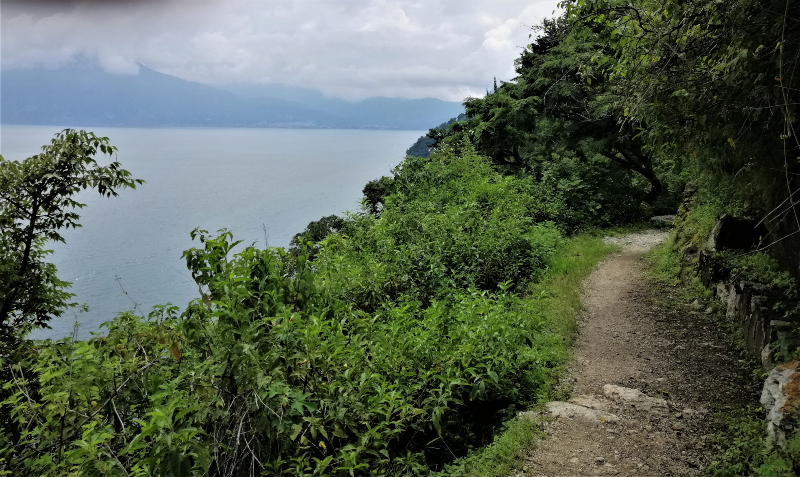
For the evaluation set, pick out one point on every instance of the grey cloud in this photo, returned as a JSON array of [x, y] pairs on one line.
[[351, 49]]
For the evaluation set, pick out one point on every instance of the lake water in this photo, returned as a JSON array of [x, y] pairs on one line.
[[264, 185]]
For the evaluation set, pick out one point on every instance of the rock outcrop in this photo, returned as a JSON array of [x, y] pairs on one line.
[[595, 408], [639, 400], [752, 306], [569, 411], [733, 233], [746, 303], [781, 399]]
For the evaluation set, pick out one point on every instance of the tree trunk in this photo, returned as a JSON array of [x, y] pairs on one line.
[[643, 166], [8, 302]]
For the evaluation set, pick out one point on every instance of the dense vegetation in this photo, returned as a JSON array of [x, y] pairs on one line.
[[400, 346], [394, 340]]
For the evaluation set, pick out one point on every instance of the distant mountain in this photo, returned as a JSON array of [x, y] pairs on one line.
[[84, 96], [378, 112], [90, 97]]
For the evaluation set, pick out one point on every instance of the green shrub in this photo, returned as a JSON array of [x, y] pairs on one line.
[[317, 230], [269, 372], [399, 348], [453, 222], [375, 192], [744, 451], [589, 194]]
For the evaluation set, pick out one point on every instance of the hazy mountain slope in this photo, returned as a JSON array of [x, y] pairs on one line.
[[83, 96], [90, 97], [378, 112]]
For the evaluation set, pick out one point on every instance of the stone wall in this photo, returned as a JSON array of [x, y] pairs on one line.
[[748, 304]]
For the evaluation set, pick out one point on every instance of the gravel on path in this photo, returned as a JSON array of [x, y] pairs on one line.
[[658, 370]]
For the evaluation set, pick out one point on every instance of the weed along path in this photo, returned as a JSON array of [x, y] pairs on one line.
[[643, 381]]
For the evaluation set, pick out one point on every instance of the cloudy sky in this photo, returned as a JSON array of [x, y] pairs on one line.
[[449, 49]]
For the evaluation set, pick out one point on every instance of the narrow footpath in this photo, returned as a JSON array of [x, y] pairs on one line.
[[645, 381]]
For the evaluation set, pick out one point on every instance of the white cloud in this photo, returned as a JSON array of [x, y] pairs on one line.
[[348, 48]]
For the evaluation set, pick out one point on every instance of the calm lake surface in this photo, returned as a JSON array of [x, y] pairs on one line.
[[264, 185]]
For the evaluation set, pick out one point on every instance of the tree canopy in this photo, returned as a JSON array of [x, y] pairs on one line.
[[37, 201]]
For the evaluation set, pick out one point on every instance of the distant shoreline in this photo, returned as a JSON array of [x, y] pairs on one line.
[[89, 126]]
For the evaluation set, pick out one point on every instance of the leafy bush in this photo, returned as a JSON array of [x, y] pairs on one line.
[[452, 223], [590, 195], [375, 192], [399, 348], [745, 452], [317, 230], [271, 373]]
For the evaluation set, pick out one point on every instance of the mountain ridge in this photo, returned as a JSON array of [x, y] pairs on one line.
[[91, 97]]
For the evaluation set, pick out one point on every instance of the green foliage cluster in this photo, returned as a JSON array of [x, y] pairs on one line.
[[316, 231], [745, 452], [705, 76], [760, 268], [36, 203], [269, 373], [375, 192], [589, 195], [558, 300], [453, 222], [711, 88], [392, 347], [552, 121]]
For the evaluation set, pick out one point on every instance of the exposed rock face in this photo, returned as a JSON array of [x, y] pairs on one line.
[[594, 408], [781, 399], [635, 398], [592, 402], [735, 233], [750, 306], [746, 303], [570, 411]]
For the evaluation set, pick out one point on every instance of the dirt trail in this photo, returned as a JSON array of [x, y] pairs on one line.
[[644, 380]]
